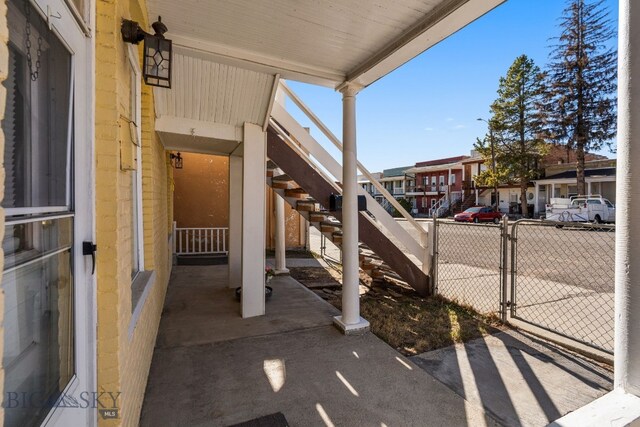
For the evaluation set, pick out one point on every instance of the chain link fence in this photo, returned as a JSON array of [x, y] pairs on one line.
[[469, 264], [562, 279], [561, 274]]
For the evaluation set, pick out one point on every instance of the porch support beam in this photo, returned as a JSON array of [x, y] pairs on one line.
[[253, 220], [235, 221], [627, 285], [281, 262], [350, 320], [622, 405]]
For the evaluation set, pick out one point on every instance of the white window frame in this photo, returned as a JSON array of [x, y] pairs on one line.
[[132, 55], [452, 178]]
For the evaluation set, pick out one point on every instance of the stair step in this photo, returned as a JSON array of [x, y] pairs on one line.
[[283, 182], [306, 206], [271, 166], [296, 193], [336, 237], [330, 227], [319, 216], [365, 256]]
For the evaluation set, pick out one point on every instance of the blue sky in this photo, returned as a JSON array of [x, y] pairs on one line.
[[427, 109]]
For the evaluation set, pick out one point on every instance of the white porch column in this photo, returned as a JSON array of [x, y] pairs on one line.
[[536, 203], [622, 406], [235, 221], [627, 287], [350, 320], [588, 188], [253, 220], [281, 264]]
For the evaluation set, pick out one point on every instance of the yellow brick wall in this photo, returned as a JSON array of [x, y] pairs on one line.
[[123, 362], [4, 66]]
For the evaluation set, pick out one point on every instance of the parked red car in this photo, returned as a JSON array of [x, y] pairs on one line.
[[479, 214]]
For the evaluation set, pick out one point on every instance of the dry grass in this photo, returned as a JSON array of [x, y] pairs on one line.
[[402, 318], [412, 324]]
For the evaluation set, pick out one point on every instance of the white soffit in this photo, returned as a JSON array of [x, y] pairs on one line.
[[209, 92], [327, 42]]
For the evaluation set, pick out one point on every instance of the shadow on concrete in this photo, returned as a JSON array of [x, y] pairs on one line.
[[212, 368], [518, 379]]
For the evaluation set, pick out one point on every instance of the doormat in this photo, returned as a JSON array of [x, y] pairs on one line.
[[202, 260], [273, 420]]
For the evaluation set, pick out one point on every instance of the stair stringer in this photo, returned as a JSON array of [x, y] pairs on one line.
[[317, 187]]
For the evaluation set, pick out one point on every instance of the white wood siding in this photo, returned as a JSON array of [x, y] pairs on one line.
[[206, 91]]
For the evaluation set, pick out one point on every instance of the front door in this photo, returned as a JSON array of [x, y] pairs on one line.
[[49, 310]]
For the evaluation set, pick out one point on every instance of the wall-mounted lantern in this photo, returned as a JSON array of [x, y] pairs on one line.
[[176, 160], [156, 65]]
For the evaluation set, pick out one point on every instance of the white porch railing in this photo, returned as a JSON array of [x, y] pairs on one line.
[[200, 241], [416, 242]]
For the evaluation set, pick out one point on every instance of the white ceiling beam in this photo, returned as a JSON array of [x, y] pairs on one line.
[[258, 62], [272, 99], [446, 19], [196, 128]]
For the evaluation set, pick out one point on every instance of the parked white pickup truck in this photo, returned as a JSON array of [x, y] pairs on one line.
[[592, 208]]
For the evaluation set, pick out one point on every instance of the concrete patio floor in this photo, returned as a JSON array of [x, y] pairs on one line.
[[212, 368]]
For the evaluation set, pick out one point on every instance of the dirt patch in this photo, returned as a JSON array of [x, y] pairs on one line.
[[399, 316]]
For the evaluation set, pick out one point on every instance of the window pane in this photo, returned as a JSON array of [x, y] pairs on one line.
[[37, 120], [38, 353], [25, 242]]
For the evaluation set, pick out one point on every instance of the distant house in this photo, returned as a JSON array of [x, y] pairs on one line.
[[438, 185], [560, 182], [558, 177]]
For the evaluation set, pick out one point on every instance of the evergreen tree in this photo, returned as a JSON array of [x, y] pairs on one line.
[[515, 128], [581, 83]]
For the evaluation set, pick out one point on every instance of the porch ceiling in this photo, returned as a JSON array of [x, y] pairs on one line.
[[328, 42], [209, 104]]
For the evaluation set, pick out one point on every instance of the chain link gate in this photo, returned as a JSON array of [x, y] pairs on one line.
[[562, 279], [470, 264], [562, 274]]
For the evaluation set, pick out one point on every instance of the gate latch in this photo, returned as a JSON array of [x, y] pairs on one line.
[[89, 248]]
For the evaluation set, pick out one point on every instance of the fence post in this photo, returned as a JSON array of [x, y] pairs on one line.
[[433, 227], [503, 264], [427, 252]]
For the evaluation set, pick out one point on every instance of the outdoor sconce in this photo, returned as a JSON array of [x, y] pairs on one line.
[[156, 65], [176, 160]]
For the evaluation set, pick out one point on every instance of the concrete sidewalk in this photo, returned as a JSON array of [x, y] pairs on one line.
[[518, 379], [584, 314], [212, 368]]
